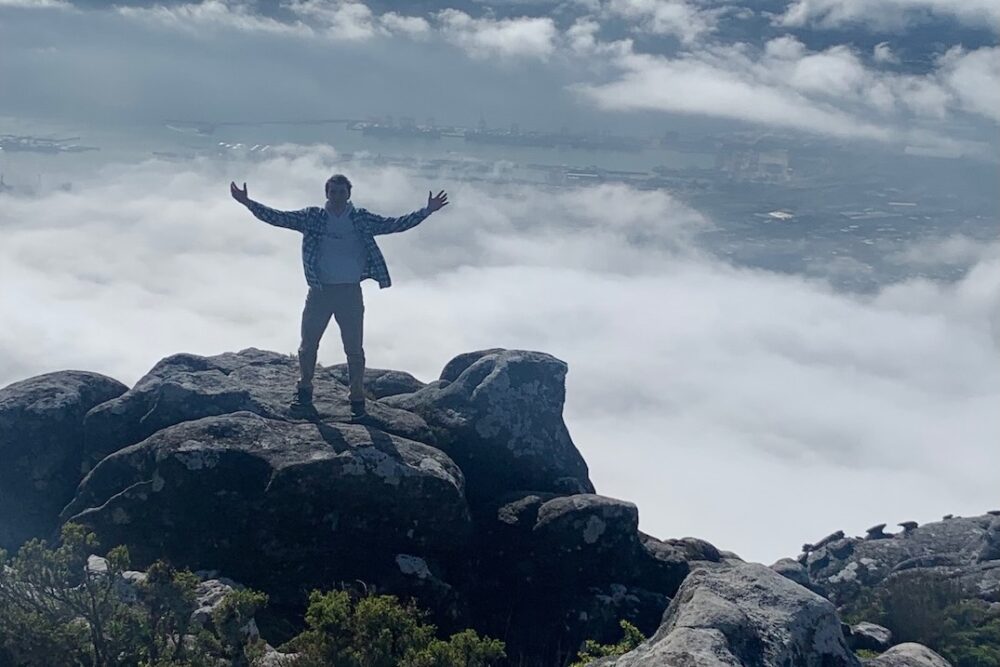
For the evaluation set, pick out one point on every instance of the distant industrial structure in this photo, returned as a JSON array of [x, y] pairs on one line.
[[753, 163]]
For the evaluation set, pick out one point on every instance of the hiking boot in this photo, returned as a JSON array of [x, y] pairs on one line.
[[302, 405], [358, 409]]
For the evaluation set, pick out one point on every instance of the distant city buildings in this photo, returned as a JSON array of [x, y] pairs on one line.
[[741, 163]]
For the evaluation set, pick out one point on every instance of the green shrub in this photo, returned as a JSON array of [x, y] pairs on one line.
[[592, 650], [55, 610], [936, 611], [379, 631]]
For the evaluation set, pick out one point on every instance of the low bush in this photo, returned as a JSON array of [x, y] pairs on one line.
[[62, 607], [380, 631], [936, 611], [631, 638], [58, 606]]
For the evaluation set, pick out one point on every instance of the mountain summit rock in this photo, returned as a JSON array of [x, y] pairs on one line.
[[466, 493]]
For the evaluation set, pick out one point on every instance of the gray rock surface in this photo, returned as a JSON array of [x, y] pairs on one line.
[[869, 636], [308, 501], [561, 569], [380, 383], [183, 387], [41, 445], [908, 655], [793, 570], [962, 548], [746, 614], [468, 494], [590, 539], [498, 414]]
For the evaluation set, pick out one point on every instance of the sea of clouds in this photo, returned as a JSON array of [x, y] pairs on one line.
[[754, 409]]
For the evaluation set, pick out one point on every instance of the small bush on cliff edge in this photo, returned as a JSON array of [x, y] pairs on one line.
[[379, 631], [58, 609], [592, 650], [936, 611]]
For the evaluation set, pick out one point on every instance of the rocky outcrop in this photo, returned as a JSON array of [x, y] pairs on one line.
[[908, 655], [743, 614], [184, 387], [255, 497], [41, 446], [793, 570], [466, 493], [966, 550], [869, 636], [581, 554], [498, 414]]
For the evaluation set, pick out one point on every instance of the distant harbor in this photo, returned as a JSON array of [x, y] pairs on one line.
[[514, 136], [16, 143]]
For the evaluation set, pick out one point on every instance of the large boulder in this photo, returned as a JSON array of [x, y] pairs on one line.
[[555, 570], [560, 543], [744, 614], [498, 414], [183, 387], [793, 570], [869, 636], [909, 654], [41, 445], [266, 500], [586, 539]]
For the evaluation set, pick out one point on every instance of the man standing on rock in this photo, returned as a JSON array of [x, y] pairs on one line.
[[338, 252]]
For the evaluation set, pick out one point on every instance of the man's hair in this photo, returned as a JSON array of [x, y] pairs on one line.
[[338, 178]]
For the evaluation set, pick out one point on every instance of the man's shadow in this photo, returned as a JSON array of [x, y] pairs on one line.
[[380, 440]]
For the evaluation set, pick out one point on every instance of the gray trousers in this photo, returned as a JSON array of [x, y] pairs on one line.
[[345, 303]]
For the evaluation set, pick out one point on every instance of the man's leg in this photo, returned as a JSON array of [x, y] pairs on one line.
[[315, 318], [350, 314]]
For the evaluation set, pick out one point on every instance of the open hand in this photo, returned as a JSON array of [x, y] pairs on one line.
[[239, 195], [434, 203]]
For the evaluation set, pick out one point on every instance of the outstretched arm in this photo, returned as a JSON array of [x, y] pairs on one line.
[[378, 224], [297, 220]]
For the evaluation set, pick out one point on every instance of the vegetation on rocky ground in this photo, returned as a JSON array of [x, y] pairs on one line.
[[59, 606], [381, 631], [936, 611], [591, 651]]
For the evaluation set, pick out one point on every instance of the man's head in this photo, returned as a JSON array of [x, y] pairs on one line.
[[338, 189]]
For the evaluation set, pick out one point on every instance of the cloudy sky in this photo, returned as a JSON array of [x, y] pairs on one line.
[[754, 409]]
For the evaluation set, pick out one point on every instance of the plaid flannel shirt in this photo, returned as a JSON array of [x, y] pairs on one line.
[[311, 222]]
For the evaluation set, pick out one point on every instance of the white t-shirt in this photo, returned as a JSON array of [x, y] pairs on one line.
[[342, 254]]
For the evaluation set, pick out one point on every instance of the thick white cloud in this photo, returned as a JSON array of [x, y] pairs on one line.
[[529, 37], [412, 25], [834, 91], [352, 21], [830, 91], [342, 20], [887, 14], [685, 20], [753, 409], [212, 14], [726, 86], [973, 77], [36, 4]]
